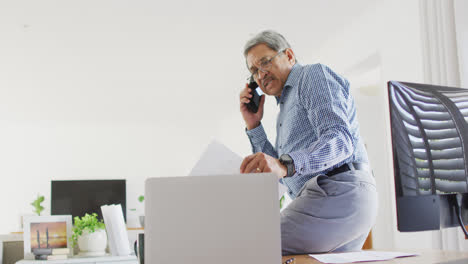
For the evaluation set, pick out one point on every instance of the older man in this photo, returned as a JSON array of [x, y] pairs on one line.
[[318, 154]]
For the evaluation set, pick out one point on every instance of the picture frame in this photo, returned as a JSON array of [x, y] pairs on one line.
[[47, 232]]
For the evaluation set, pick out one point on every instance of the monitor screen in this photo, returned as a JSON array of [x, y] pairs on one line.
[[78, 197], [429, 126]]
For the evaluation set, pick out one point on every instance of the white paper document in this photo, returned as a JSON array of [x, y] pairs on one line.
[[361, 256], [217, 159], [116, 230]]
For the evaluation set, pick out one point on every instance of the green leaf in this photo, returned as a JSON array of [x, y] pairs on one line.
[[37, 204], [281, 201], [141, 198], [88, 222]]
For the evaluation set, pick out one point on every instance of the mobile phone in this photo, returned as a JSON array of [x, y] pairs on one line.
[[255, 100]]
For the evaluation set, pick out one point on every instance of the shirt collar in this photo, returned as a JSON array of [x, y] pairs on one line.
[[292, 80]]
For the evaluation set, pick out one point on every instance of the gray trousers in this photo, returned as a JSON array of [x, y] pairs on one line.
[[330, 214]]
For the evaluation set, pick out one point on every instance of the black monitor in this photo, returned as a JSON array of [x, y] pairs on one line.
[[78, 197], [429, 126]]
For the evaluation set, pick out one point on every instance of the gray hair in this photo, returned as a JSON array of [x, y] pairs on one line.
[[272, 39]]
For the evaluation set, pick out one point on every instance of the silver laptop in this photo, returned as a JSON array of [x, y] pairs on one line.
[[227, 219]]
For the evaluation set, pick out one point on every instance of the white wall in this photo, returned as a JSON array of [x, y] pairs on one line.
[[386, 43], [130, 89], [461, 26]]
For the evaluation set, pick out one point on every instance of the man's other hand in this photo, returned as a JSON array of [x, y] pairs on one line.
[[261, 162]]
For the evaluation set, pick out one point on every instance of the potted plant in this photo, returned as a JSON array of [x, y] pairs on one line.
[[38, 208], [141, 198], [90, 234]]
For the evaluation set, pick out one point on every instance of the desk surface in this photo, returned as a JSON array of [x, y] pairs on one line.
[[90, 260], [425, 257]]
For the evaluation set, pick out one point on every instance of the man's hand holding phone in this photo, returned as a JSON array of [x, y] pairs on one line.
[[252, 120]]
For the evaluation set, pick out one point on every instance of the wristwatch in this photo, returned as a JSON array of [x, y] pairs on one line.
[[287, 161]]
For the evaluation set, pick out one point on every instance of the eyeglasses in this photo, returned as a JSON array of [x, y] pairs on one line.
[[265, 66]]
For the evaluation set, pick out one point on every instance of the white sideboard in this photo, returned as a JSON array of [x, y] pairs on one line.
[[11, 248]]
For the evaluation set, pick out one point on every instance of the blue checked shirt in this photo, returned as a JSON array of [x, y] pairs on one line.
[[317, 125]]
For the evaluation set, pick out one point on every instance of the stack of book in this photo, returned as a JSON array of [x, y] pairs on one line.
[[50, 253]]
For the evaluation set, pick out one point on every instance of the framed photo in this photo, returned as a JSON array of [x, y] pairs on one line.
[[46, 232]]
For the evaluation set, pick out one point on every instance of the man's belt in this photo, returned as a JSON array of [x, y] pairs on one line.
[[348, 167]]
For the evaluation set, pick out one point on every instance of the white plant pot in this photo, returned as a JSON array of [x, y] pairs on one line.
[[93, 244]]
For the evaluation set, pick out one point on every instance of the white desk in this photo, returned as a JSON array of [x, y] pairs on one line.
[[81, 260], [426, 257]]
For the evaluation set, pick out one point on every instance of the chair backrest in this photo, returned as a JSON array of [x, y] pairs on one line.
[[430, 138]]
